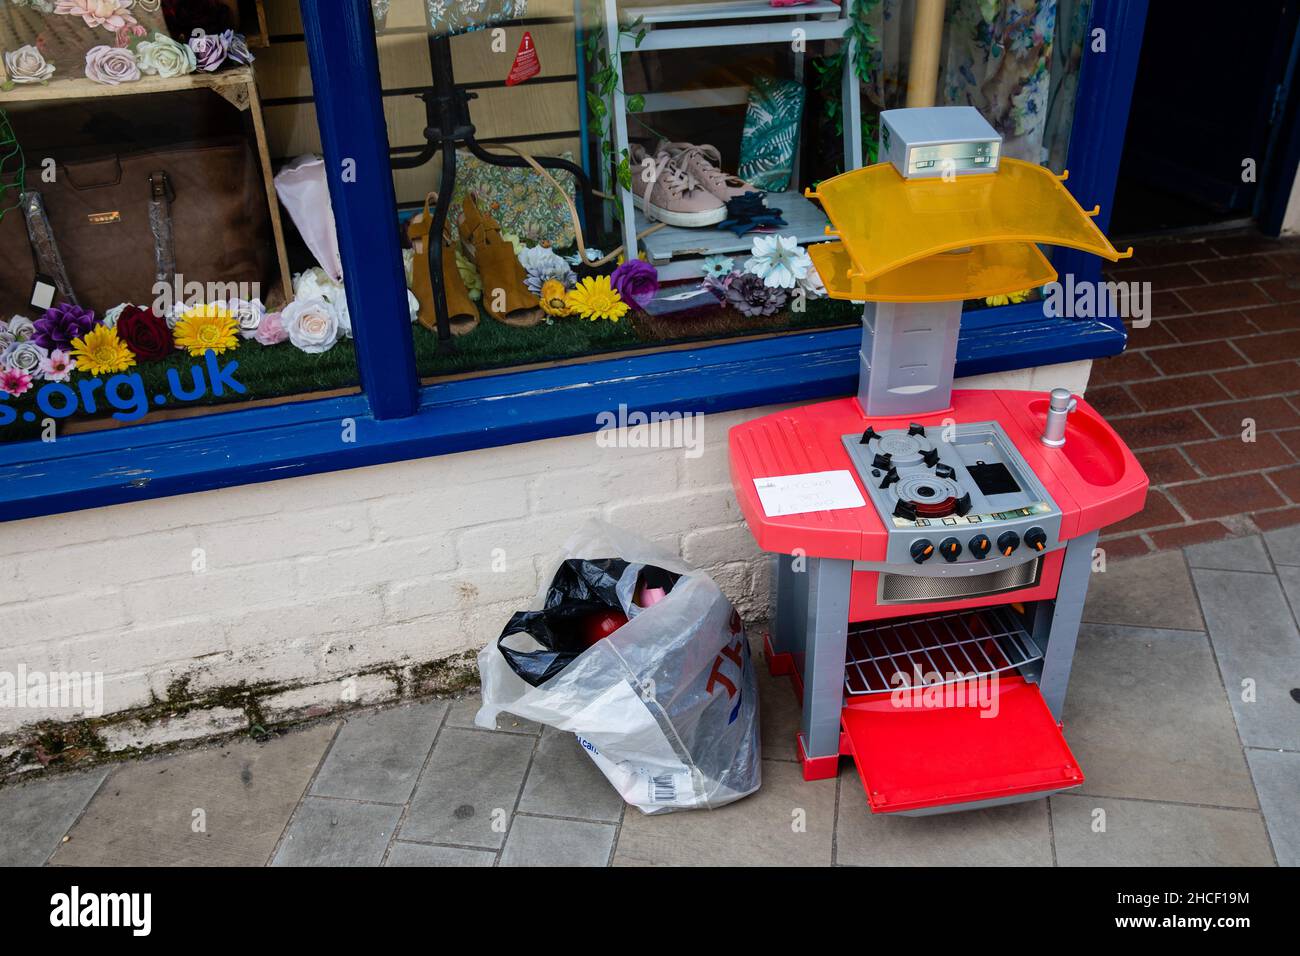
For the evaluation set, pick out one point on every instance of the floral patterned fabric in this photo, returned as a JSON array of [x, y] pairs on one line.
[[64, 30], [521, 200], [462, 16]]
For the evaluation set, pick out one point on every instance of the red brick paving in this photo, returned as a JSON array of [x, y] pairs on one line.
[[1224, 346]]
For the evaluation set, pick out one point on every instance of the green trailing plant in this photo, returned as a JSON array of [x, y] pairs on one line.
[[603, 79], [13, 168], [829, 72]]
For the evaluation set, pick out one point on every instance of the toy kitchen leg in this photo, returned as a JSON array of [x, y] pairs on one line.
[[827, 632], [1056, 623]]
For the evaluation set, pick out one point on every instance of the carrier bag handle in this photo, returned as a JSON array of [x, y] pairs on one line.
[[46, 258], [161, 195]]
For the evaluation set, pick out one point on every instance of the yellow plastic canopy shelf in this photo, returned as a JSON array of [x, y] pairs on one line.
[[974, 273], [885, 223]]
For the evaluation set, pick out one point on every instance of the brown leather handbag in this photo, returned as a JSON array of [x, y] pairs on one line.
[[125, 221]]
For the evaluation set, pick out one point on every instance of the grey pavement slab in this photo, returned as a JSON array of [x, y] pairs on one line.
[[1277, 777], [422, 854], [221, 806], [378, 756], [1141, 833], [1014, 835], [37, 814], [463, 710], [1230, 554], [1258, 648], [788, 822], [564, 782], [543, 841], [1151, 591], [1146, 717], [327, 832], [1284, 545], [469, 788]]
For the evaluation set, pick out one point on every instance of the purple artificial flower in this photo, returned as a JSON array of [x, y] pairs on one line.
[[748, 295], [210, 51], [237, 48], [637, 281], [61, 324]]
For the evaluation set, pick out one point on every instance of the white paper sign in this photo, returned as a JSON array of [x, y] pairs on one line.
[[816, 491]]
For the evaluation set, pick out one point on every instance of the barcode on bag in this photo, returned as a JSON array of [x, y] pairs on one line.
[[663, 788]]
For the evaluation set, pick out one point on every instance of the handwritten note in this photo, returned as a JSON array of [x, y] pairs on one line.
[[816, 491]]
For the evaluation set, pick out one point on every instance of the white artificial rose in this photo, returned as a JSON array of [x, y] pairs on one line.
[[109, 321], [163, 56], [21, 328], [312, 324], [111, 65], [247, 313], [27, 65], [315, 283], [345, 316], [24, 357]]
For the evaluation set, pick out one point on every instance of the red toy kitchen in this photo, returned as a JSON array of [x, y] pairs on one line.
[[933, 547]]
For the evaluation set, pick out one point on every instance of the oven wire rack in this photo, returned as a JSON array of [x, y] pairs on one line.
[[935, 650]]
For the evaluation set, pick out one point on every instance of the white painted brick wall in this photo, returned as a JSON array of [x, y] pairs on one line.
[[308, 580]]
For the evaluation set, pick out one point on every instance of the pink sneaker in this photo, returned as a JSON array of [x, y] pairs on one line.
[[664, 190], [704, 163]]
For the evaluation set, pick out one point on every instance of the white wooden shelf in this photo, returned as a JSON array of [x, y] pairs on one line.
[[806, 222], [739, 10]]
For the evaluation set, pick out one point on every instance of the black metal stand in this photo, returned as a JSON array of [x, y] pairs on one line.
[[447, 114]]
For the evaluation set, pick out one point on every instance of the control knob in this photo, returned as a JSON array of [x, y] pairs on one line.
[[922, 550], [980, 545], [1036, 538], [1008, 541], [950, 548]]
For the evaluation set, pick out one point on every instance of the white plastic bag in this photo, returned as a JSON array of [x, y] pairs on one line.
[[304, 192], [667, 705]]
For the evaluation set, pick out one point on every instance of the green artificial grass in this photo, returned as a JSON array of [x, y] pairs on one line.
[[281, 370]]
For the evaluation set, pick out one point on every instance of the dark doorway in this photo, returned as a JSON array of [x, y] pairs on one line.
[[1212, 92]]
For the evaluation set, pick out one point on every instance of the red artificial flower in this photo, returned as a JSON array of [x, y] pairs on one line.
[[145, 333]]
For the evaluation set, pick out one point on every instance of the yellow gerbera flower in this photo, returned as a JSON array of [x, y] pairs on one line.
[[101, 352], [553, 298], [594, 298], [205, 327]]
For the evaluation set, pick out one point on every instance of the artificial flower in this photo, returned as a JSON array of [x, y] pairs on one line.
[[145, 332], [14, 382], [592, 256], [271, 330], [24, 357], [58, 365], [61, 324], [812, 285], [237, 50], [248, 314], [469, 275], [316, 283], [210, 51], [749, 294], [102, 352], [6, 338], [718, 266], [111, 315], [778, 261], [553, 298], [1007, 298], [111, 65], [594, 298], [515, 242], [412, 306], [109, 14], [542, 264], [204, 328], [312, 324], [637, 282], [20, 327], [345, 316], [163, 56], [27, 65]]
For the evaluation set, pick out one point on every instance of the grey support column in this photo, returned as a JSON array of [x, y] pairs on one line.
[[827, 637], [1063, 628], [790, 611]]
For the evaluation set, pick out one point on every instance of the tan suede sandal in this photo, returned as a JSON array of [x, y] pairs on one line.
[[503, 276], [462, 315]]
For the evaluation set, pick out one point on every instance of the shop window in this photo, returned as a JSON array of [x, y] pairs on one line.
[[166, 248]]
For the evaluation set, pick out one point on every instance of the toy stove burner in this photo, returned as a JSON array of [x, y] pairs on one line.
[[907, 464]]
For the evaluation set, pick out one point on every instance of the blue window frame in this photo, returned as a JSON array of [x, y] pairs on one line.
[[395, 419]]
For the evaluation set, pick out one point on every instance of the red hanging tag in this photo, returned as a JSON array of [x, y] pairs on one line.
[[526, 63]]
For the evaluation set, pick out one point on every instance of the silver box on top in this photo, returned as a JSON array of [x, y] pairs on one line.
[[932, 141]]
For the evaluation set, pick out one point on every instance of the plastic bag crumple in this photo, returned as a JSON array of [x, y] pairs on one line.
[[667, 705]]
